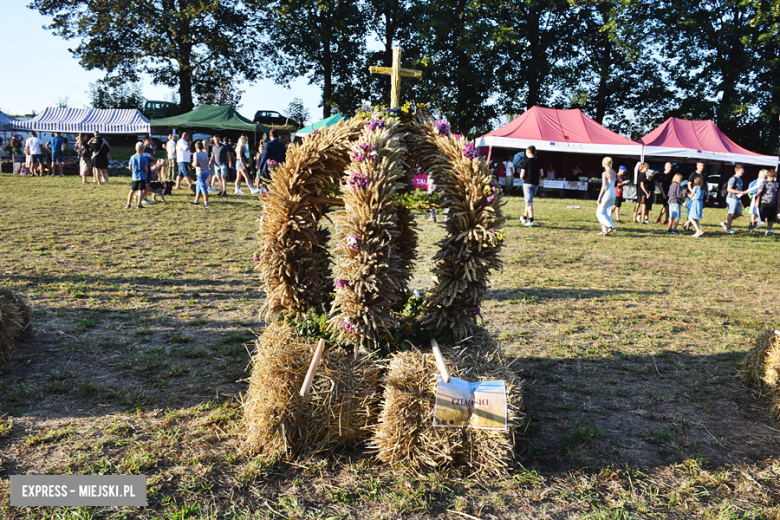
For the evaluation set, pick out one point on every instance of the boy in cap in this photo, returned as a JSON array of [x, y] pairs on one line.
[[620, 181]]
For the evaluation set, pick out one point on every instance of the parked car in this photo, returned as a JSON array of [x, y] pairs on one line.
[[270, 117], [161, 109]]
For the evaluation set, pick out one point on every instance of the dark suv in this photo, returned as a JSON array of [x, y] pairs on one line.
[[268, 117]]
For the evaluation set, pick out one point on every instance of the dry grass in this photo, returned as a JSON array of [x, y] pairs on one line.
[[761, 368], [629, 347]]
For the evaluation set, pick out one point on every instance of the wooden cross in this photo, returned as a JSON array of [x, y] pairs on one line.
[[396, 73]]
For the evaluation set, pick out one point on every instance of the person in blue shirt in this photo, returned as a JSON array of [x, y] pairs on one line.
[[274, 151], [139, 167], [55, 146]]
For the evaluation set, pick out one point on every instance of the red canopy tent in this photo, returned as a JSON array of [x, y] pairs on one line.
[[556, 130], [701, 140]]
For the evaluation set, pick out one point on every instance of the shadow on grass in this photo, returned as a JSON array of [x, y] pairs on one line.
[[532, 295]]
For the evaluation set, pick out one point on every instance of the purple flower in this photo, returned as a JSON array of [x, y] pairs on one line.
[[363, 108], [353, 242], [348, 326], [271, 164], [366, 151], [442, 127], [375, 123], [470, 151], [341, 283], [357, 181], [477, 311]]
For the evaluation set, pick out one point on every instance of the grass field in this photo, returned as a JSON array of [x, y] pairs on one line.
[[628, 344]]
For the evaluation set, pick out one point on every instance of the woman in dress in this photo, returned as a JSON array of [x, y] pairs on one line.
[[696, 210], [101, 156], [242, 165], [606, 198], [85, 157]]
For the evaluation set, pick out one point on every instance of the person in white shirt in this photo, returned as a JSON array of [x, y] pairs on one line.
[[183, 159], [509, 172], [551, 172], [170, 152], [34, 147]]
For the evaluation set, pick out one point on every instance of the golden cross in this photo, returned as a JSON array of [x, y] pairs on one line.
[[396, 73]]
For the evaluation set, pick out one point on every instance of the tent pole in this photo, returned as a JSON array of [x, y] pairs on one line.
[[490, 152]]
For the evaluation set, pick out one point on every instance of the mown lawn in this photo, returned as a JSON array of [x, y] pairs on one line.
[[628, 344]]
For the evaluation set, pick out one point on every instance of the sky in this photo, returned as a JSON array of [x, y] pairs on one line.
[[42, 71]]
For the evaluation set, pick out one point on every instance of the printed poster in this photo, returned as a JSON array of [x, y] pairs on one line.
[[477, 405]]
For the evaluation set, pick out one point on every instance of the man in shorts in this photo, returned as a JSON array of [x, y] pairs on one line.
[[220, 158], [620, 181], [183, 159], [767, 197], [733, 200], [139, 168], [530, 173], [34, 147], [647, 193], [55, 146]]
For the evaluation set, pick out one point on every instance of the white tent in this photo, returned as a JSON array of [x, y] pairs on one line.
[[86, 120], [5, 122]]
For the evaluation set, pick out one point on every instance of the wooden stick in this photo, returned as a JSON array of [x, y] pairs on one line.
[[315, 361], [445, 374]]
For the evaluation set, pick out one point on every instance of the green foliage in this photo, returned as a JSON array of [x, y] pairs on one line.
[[297, 112], [420, 199], [127, 95]]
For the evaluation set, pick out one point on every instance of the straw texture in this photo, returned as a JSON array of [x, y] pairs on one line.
[[15, 320], [761, 368]]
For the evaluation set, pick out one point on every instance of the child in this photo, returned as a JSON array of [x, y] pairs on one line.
[[696, 210], [647, 192], [619, 183], [201, 162], [733, 199], [767, 205], [675, 198], [753, 187], [139, 167]]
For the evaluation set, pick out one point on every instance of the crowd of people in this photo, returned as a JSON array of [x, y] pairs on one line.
[[206, 164]]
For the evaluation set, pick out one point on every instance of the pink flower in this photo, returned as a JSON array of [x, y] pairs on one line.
[[353, 242], [442, 127], [341, 283], [470, 151], [348, 326], [357, 180]]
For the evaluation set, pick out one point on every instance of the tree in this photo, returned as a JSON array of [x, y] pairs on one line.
[[297, 112], [323, 40], [129, 95], [177, 43]]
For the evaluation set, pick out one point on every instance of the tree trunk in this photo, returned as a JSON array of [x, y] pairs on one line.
[[532, 67], [605, 62], [327, 66]]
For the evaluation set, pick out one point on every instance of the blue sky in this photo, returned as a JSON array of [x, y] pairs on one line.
[[38, 71]]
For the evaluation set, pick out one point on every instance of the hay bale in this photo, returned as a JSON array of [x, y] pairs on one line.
[[15, 320], [340, 409], [761, 368], [405, 433], [272, 407]]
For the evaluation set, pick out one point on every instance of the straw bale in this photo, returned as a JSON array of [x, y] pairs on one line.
[[341, 408], [344, 400], [761, 366], [15, 320], [405, 433], [272, 407], [294, 261]]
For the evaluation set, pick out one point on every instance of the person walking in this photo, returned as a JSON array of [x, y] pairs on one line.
[[258, 169], [640, 172], [647, 188], [753, 187], [220, 158], [85, 160], [767, 196], [183, 159], [530, 173], [242, 165], [101, 157], [620, 181], [170, 158], [509, 174], [274, 151], [696, 211], [606, 197], [664, 181], [733, 198], [674, 197], [200, 160], [139, 168], [699, 172]]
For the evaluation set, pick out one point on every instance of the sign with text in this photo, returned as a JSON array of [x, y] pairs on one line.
[[477, 405], [420, 181], [78, 490]]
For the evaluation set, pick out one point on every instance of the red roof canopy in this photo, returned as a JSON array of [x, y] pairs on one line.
[[559, 130], [698, 140]]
